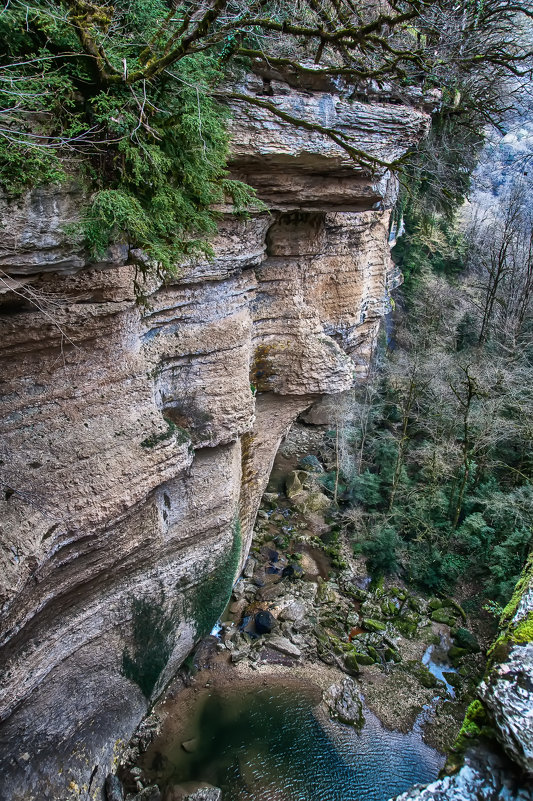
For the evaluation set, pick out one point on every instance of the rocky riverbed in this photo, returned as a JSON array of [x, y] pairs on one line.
[[304, 613]]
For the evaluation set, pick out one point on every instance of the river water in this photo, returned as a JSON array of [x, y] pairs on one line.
[[275, 744]]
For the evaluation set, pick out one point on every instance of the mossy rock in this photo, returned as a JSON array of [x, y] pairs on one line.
[[451, 603], [351, 663], [407, 627], [523, 631], [372, 652], [475, 726], [389, 609], [314, 502], [452, 678], [373, 625], [424, 676], [364, 659], [434, 604], [465, 639], [455, 654], [413, 604], [392, 655], [356, 593], [294, 483], [442, 616], [401, 595]]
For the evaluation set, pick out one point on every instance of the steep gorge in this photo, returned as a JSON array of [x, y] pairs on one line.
[[137, 443]]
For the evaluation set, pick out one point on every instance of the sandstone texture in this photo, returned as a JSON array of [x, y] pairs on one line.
[[137, 443]]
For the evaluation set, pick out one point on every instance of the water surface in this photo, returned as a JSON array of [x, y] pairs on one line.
[[274, 744]]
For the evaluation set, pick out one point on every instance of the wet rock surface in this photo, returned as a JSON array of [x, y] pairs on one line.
[[203, 792], [344, 702], [484, 776], [508, 695]]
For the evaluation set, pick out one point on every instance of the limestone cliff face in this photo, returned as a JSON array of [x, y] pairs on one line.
[[136, 444]]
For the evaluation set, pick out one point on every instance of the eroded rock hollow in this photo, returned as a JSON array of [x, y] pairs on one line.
[[137, 443]]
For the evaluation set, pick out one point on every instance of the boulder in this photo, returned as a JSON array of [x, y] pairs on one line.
[[264, 621], [465, 639], [351, 664], [249, 566], [151, 793], [392, 655], [373, 625], [311, 464], [293, 483], [193, 791], [344, 702], [295, 611], [364, 659], [284, 646], [423, 674], [442, 616], [455, 654], [313, 502], [292, 571]]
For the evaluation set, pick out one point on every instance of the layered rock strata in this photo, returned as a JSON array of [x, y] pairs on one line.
[[136, 444]]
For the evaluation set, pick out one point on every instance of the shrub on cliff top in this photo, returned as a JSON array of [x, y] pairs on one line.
[[131, 95]]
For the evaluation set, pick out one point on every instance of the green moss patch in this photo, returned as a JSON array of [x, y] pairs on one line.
[[153, 626], [211, 596]]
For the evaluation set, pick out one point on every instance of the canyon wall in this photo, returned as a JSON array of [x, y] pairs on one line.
[[137, 442]]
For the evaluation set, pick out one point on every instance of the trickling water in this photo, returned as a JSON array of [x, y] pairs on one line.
[[270, 743], [437, 662]]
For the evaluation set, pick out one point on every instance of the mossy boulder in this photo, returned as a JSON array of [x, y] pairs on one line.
[[442, 616], [351, 663], [314, 502], [392, 655], [373, 653], [364, 659], [355, 592], [398, 593], [414, 604], [452, 678], [455, 654], [407, 625], [463, 638], [388, 608], [452, 604], [424, 676], [434, 604], [369, 624]]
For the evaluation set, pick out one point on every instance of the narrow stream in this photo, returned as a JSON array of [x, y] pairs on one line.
[[274, 744], [437, 662]]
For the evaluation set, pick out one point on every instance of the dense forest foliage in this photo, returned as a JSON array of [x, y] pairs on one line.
[[436, 451]]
